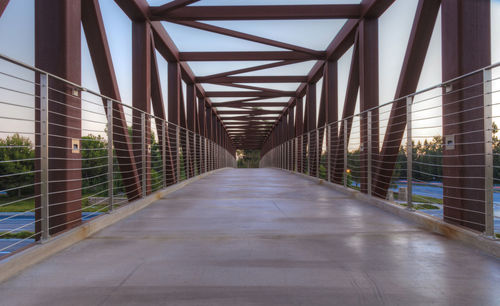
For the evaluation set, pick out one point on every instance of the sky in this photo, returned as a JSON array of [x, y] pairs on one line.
[[17, 41]]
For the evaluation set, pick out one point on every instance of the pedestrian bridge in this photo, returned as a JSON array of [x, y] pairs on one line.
[[124, 186], [260, 237]]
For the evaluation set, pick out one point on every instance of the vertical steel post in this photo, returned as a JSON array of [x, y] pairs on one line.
[[488, 155], [44, 156], [109, 105], [328, 153], [296, 144], [369, 153], [318, 154], [143, 154], [409, 153], [205, 153], [346, 147], [308, 153], [187, 157], [164, 153], [195, 162], [177, 152]]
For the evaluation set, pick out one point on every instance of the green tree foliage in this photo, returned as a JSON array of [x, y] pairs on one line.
[[248, 158], [19, 150], [94, 164]]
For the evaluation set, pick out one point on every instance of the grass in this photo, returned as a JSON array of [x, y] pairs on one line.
[[18, 235], [21, 206], [421, 198], [422, 206]]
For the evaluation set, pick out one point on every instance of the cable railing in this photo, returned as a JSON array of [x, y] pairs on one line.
[[69, 154], [436, 151]]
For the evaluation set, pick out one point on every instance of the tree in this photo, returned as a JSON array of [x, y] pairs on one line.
[[17, 157]]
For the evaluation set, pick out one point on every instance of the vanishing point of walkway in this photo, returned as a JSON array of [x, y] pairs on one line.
[[260, 237]]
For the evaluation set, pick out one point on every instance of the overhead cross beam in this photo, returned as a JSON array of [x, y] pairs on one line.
[[255, 79], [247, 56], [173, 5], [259, 12], [249, 37]]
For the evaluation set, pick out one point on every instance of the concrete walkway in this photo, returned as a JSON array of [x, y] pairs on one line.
[[260, 237]]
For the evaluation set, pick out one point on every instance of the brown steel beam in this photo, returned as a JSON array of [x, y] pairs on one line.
[[256, 79], [172, 5], [136, 10], [3, 5], [251, 104], [249, 112], [256, 88], [191, 122], [245, 70], [58, 51], [100, 55], [466, 47], [349, 107], [141, 94], [241, 94], [247, 56], [264, 12], [159, 111], [416, 50], [249, 37]]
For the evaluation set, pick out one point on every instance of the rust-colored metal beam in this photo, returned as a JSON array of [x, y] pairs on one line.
[[416, 50], [236, 94], [250, 104], [247, 56], [349, 107], [100, 55], [58, 51], [159, 111], [255, 88], [466, 47], [172, 5], [264, 12], [249, 37], [3, 6], [136, 10], [368, 94], [141, 94], [256, 79], [249, 112], [249, 69]]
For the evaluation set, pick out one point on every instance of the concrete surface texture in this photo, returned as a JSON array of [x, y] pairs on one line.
[[260, 237]]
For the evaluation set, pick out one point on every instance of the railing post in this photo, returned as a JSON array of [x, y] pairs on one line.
[[177, 153], [109, 105], [489, 229], [346, 147], [369, 153], [201, 145], [164, 153], [308, 153], [328, 153], [409, 154], [205, 153], [318, 155], [195, 162], [44, 156], [187, 157], [296, 161], [143, 153]]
